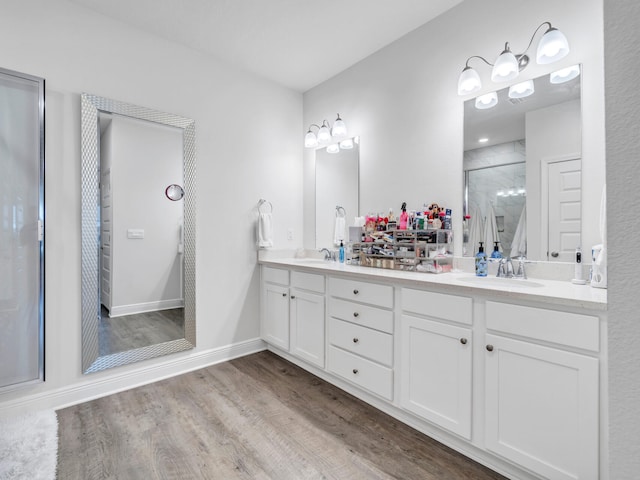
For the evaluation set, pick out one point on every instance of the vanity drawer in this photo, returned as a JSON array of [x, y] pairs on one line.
[[372, 293], [364, 315], [374, 345], [439, 305], [307, 281], [570, 329], [275, 275], [360, 371]]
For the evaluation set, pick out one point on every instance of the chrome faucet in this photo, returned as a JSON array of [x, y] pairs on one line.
[[505, 268], [327, 254], [520, 272]]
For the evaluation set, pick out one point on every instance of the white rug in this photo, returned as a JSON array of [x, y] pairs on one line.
[[29, 446]]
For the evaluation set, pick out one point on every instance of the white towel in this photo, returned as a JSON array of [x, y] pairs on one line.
[[339, 231], [475, 233], [519, 244], [265, 230], [490, 230]]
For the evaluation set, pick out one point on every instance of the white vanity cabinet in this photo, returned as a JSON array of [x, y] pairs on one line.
[[542, 389], [274, 324], [436, 358], [360, 334], [306, 318]]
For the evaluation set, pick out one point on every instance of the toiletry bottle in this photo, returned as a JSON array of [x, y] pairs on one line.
[[481, 262], [341, 252], [578, 275], [496, 251]]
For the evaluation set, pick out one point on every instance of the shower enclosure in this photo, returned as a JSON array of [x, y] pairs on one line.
[[21, 229]]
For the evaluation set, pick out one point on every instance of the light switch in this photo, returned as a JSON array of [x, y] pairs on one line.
[[135, 233]]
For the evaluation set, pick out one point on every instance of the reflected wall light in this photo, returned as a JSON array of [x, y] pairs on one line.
[[522, 89], [327, 135], [487, 101], [552, 47], [564, 75]]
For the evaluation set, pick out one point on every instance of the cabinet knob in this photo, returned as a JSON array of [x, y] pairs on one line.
[[293, 297], [284, 294], [356, 340], [489, 348], [355, 371], [463, 341], [355, 291], [555, 254], [356, 314]]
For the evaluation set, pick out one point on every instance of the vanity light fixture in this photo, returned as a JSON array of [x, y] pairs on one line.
[[346, 144], [522, 89], [487, 101], [326, 134], [483, 140], [333, 148], [552, 47], [564, 75]]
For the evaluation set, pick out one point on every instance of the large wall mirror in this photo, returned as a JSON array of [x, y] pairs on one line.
[[523, 180], [138, 233], [337, 185]]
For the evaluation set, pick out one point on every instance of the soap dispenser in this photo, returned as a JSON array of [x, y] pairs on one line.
[[496, 251], [341, 252], [481, 262]]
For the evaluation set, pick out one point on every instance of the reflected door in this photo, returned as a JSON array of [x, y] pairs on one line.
[[565, 193], [21, 228]]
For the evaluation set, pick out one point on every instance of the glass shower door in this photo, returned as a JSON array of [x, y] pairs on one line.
[[21, 229]]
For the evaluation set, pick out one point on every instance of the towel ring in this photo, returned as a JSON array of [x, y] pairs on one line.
[[340, 211], [263, 202]]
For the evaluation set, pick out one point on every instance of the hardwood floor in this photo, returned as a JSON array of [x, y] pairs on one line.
[[257, 417], [119, 334]]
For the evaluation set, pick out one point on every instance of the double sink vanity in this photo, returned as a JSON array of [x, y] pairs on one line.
[[509, 372]]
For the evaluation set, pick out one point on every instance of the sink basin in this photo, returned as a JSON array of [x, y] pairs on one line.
[[310, 260], [500, 282]]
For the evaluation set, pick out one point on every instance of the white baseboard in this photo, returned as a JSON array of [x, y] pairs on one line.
[[90, 390], [121, 310]]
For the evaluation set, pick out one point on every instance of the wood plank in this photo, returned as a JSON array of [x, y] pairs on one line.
[[257, 417]]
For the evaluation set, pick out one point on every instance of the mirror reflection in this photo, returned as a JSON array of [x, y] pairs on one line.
[[337, 185], [523, 173], [138, 266]]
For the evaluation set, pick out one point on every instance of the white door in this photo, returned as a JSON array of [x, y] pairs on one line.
[[106, 215], [275, 315], [436, 373], [565, 210], [542, 408], [307, 326]]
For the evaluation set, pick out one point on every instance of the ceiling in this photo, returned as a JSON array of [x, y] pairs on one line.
[[296, 43]]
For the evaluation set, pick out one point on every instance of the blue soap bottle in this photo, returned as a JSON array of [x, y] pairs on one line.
[[496, 251], [481, 262], [341, 252]]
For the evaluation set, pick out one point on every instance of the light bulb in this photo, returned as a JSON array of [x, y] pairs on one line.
[[339, 128], [487, 101], [310, 140], [324, 136], [469, 81], [565, 74], [552, 47], [346, 144], [333, 148], [506, 67], [521, 90]]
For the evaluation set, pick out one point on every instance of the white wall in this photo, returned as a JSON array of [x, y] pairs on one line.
[[403, 103], [622, 23], [79, 51], [553, 132], [147, 271]]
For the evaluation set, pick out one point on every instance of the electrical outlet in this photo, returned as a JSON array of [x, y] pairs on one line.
[[290, 234]]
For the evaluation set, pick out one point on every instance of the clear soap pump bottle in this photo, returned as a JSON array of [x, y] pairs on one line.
[[496, 251], [341, 252]]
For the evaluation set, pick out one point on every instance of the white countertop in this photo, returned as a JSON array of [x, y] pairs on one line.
[[538, 290]]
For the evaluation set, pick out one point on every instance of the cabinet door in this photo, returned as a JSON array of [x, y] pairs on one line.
[[274, 327], [307, 326], [436, 373], [542, 408]]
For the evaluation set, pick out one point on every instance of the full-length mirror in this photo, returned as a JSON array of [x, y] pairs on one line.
[[522, 164], [337, 185], [138, 233]]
